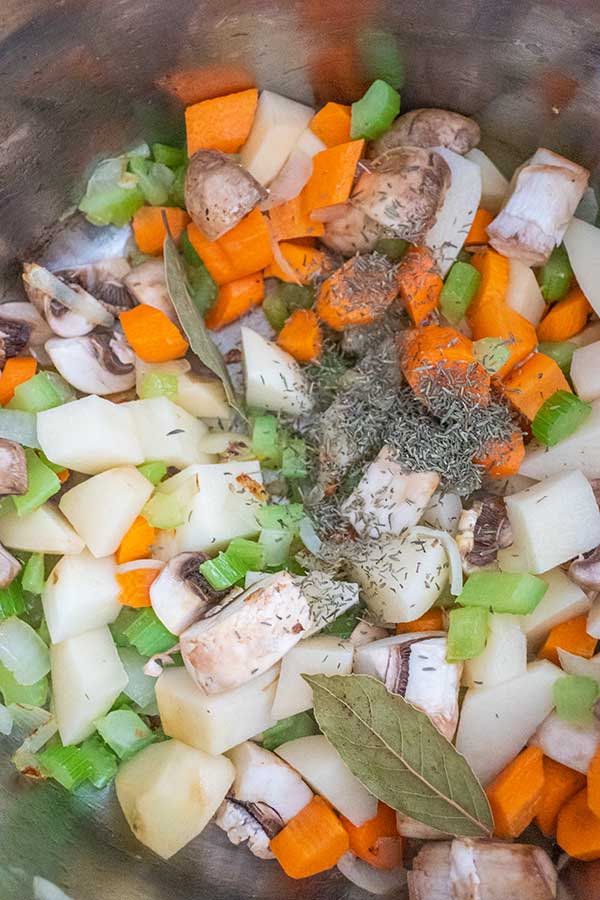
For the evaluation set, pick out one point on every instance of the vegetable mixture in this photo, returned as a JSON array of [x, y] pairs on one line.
[[341, 603]]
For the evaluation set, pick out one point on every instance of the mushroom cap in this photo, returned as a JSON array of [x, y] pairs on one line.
[[181, 594], [351, 232], [99, 363], [429, 128]]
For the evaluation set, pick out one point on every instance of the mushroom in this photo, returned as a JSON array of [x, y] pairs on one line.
[[42, 287], [414, 666], [403, 191], [571, 745], [367, 633], [247, 636], [9, 567], [241, 824], [327, 598], [482, 531], [388, 500], [585, 571], [429, 128], [146, 284], [100, 363], [465, 869], [351, 231], [27, 314], [181, 594], [13, 468], [544, 195], [14, 336], [219, 192], [104, 280]]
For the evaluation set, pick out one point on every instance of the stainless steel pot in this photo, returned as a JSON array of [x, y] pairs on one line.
[[84, 78]]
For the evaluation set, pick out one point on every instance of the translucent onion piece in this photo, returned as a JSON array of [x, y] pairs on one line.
[[370, 879], [452, 552], [329, 213], [309, 536], [19, 426], [140, 687], [29, 718], [280, 258], [23, 652], [79, 301], [24, 758], [579, 665], [290, 180]]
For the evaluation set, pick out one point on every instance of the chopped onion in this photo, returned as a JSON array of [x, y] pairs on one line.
[[309, 536], [6, 719], [24, 757], [20, 427], [280, 258], [290, 180], [579, 665], [452, 552], [23, 652], [370, 879], [28, 718], [140, 687], [154, 666], [329, 213], [79, 301], [139, 564]]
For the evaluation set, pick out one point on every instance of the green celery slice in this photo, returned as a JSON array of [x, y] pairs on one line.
[[467, 633], [559, 417], [373, 114]]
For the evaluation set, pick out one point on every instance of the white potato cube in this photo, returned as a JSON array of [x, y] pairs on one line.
[[555, 520], [504, 657], [103, 508], [274, 380], [581, 450], [87, 678], [582, 242], [454, 219], [327, 774], [323, 655], [443, 512], [562, 601], [80, 594], [585, 371], [572, 745], [278, 123], [89, 435], [309, 143], [169, 793], [494, 186], [216, 722], [199, 395], [168, 432], [44, 530], [381, 571], [523, 293], [496, 722]]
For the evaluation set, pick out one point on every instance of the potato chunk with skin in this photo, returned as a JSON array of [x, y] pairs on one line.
[[219, 192]]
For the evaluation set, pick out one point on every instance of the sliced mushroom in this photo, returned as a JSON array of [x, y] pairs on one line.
[[219, 192], [13, 468], [241, 825], [352, 232], [26, 313], [104, 280], [586, 571], [146, 284], [14, 336], [571, 745], [62, 321], [100, 363], [181, 594], [403, 191], [429, 128], [482, 531], [9, 567], [544, 195]]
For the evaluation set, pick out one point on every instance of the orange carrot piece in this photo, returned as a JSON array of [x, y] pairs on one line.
[[566, 318], [515, 793], [312, 842], [135, 586], [244, 250], [571, 636], [17, 370], [222, 123], [332, 124], [560, 784], [235, 299], [63, 475], [530, 384], [478, 231], [137, 542], [376, 841], [333, 175], [578, 829], [593, 784], [419, 283], [301, 335], [355, 294], [212, 255], [305, 261], [501, 459], [152, 335], [149, 229], [290, 220], [432, 620], [494, 271], [501, 321]]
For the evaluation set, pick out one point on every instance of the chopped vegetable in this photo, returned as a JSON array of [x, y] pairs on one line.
[[231, 566], [12, 601], [357, 293], [135, 581], [33, 576], [166, 511], [152, 335], [300, 725], [516, 792], [302, 262], [18, 426], [102, 762], [560, 351], [528, 386], [154, 471], [221, 123], [377, 841], [312, 842], [560, 784], [42, 391], [432, 620], [467, 633], [333, 175], [478, 230], [266, 441], [235, 299], [67, 765], [494, 272], [556, 275], [13, 692], [393, 248], [419, 283], [503, 323], [491, 353], [276, 543], [558, 417], [137, 542], [291, 220], [148, 635], [459, 288], [503, 592], [574, 697], [125, 733], [332, 124], [501, 459], [42, 484], [301, 336], [375, 111], [571, 636], [23, 652], [112, 195], [168, 156], [578, 829], [243, 250], [294, 462], [17, 370], [593, 784], [286, 299], [155, 180], [566, 318], [157, 384]]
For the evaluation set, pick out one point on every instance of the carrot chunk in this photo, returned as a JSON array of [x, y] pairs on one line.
[[135, 586], [501, 459], [432, 620], [566, 318], [304, 260], [290, 220], [560, 784], [17, 370], [357, 293], [149, 229], [244, 250], [515, 793], [301, 335], [478, 231], [152, 336], [376, 841], [571, 636], [530, 384], [578, 829], [333, 175], [593, 784], [494, 271], [419, 283], [235, 299], [312, 842], [222, 123], [332, 124], [137, 542]]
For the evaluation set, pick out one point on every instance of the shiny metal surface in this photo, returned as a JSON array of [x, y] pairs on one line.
[[84, 78]]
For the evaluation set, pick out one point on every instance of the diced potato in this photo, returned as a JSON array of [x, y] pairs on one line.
[[199, 395], [217, 722], [309, 143], [582, 242], [105, 506], [494, 186], [447, 235], [572, 745], [496, 722], [87, 678], [89, 435], [274, 380], [327, 774], [169, 793], [80, 594], [524, 294], [579, 451], [504, 657], [585, 371], [389, 593], [562, 601], [44, 530], [168, 432], [443, 511], [323, 655], [277, 125], [555, 520]]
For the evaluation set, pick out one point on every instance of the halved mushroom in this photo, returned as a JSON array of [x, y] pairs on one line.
[[14, 336], [13, 468], [9, 567], [27, 314], [146, 284], [104, 280], [181, 594], [351, 231], [482, 531], [100, 363], [429, 128], [219, 192], [585, 571], [70, 318], [403, 191]]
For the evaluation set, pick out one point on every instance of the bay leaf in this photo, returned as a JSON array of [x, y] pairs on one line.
[[399, 755], [192, 321]]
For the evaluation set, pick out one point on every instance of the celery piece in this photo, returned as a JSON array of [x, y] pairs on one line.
[[124, 732], [42, 391], [33, 576], [558, 417], [12, 601], [67, 765], [282, 516], [266, 441], [296, 296], [560, 351], [222, 572], [393, 248], [112, 196], [165, 511], [301, 725], [126, 617], [19, 426], [42, 484], [556, 275], [574, 698], [516, 593], [154, 471], [246, 555], [158, 384], [148, 634], [13, 692], [141, 687], [276, 543], [102, 761], [293, 459], [373, 114], [467, 633], [154, 179], [460, 286], [168, 156], [276, 310], [491, 353]]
